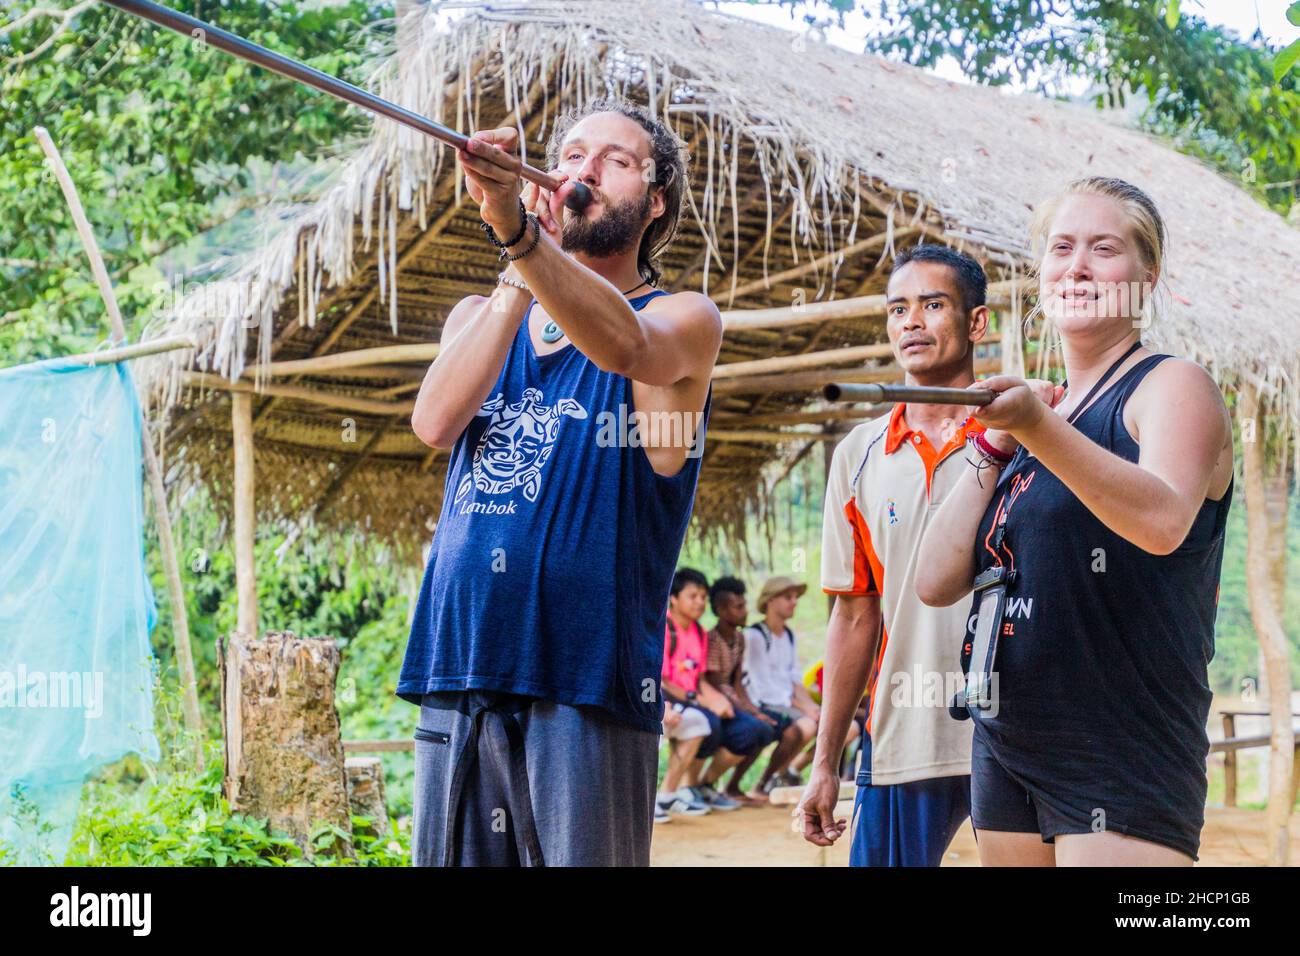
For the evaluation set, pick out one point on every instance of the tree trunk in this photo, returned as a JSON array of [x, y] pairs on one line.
[[284, 754], [1262, 579]]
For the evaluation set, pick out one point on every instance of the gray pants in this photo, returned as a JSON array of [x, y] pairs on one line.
[[503, 780]]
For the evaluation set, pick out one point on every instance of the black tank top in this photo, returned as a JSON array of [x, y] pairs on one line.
[[1102, 665]]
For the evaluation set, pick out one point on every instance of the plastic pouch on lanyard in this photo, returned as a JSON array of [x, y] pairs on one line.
[[990, 600]]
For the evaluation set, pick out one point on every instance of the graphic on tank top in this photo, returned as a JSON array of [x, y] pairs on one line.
[[516, 444]]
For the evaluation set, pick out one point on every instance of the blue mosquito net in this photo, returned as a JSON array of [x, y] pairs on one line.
[[76, 608]]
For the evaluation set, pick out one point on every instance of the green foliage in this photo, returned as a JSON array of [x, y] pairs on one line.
[[1290, 55], [180, 819], [357, 598], [154, 131], [27, 816], [135, 814], [1228, 101]]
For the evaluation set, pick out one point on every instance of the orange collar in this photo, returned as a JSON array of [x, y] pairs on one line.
[[900, 433]]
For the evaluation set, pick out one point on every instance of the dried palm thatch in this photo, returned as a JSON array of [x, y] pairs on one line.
[[811, 166]]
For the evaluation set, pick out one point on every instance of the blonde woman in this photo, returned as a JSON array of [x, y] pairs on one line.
[[1094, 516]]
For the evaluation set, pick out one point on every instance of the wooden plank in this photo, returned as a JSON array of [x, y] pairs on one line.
[[377, 746], [789, 796]]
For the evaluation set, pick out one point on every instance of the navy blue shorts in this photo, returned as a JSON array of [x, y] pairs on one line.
[[743, 734], [783, 720]]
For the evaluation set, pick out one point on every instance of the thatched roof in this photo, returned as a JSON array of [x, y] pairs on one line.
[[800, 150]]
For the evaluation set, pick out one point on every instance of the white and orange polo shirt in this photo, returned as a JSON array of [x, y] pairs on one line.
[[886, 482]]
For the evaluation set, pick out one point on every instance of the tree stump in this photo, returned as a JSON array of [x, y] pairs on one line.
[[366, 792], [284, 755]]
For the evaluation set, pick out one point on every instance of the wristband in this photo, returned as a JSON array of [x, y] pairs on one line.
[[987, 449]]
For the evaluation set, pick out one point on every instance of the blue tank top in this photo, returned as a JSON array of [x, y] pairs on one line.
[[556, 544]]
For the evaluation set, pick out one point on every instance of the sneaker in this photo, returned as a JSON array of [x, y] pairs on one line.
[[715, 800], [683, 800], [661, 815], [791, 779]]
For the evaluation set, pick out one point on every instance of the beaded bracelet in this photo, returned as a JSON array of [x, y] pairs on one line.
[[504, 279], [493, 238], [537, 236]]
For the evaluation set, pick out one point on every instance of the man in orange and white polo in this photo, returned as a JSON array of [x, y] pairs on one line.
[[887, 477]]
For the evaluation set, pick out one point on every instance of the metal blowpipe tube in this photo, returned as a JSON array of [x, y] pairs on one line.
[[918, 394], [237, 46]]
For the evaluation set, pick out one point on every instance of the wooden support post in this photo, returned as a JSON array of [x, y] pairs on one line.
[[153, 467], [241, 419], [1229, 761], [1266, 616]]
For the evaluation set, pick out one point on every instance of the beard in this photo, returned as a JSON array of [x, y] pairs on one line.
[[615, 232]]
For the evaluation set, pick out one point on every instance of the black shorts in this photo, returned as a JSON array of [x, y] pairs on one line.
[[1002, 801]]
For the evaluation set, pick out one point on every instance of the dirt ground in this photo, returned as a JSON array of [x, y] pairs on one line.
[[762, 836]]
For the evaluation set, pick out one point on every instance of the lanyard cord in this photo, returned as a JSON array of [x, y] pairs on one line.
[[1100, 382], [999, 531]]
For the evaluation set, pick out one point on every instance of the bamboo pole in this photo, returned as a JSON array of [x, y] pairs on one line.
[[865, 245], [376, 358], [349, 403], [383, 355], [813, 380], [1266, 616], [861, 307], [807, 360], [760, 435], [138, 350], [241, 421], [153, 468], [816, 417]]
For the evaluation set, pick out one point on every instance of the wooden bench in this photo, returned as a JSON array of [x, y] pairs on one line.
[[377, 746], [1231, 743]]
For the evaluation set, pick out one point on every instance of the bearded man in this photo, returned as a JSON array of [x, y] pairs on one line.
[[536, 648]]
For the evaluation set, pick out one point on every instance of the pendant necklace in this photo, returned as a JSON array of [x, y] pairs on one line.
[[551, 332]]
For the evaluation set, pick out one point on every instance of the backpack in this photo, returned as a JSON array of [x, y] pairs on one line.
[[767, 634]]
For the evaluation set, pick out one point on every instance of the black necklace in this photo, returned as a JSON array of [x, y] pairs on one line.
[[551, 332]]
